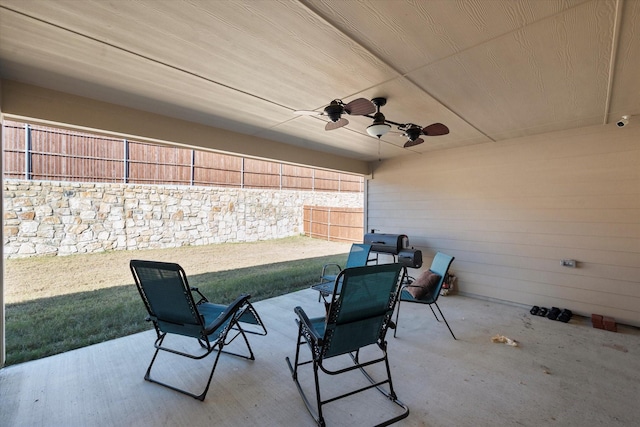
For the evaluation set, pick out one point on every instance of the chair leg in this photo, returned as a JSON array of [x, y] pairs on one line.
[[239, 331], [320, 419], [218, 348], [445, 320], [147, 375], [397, 315], [256, 320], [434, 313], [294, 369], [206, 389], [391, 394], [316, 412], [200, 396]]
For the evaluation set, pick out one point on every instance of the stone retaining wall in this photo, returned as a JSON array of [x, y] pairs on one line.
[[62, 218]]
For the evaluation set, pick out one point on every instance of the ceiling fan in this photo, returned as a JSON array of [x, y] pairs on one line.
[[335, 110], [413, 132], [381, 125]]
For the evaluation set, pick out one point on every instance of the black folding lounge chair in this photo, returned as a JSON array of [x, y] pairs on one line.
[[358, 316], [440, 267], [172, 309]]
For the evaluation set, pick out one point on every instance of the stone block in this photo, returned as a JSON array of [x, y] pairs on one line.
[[29, 227], [27, 249], [42, 249], [10, 231], [87, 215], [27, 216], [20, 202]]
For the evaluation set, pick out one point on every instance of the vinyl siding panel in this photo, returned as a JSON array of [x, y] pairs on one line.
[[509, 211]]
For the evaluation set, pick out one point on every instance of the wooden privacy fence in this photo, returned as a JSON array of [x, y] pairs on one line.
[[335, 224], [42, 153]]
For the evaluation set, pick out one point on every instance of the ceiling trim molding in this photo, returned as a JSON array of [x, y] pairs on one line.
[[615, 41]]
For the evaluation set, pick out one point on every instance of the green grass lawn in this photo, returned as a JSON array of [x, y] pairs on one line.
[[45, 326]]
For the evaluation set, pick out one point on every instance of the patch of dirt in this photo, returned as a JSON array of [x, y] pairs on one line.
[[31, 278]]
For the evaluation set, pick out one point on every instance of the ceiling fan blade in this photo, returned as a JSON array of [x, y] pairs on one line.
[[415, 142], [360, 107], [435, 129], [308, 113], [338, 124]]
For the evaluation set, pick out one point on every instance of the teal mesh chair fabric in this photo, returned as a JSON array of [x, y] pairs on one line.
[[162, 287], [358, 257], [172, 309], [359, 315]]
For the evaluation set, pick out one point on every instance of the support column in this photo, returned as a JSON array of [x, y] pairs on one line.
[[3, 355]]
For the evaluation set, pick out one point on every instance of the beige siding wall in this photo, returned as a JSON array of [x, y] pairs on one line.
[[510, 211]]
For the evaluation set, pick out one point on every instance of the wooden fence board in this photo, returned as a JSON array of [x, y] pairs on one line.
[[334, 223], [63, 155]]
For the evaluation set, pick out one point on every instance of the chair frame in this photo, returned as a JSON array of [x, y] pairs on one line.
[[213, 336], [320, 344], [439, 261], [328, 278]]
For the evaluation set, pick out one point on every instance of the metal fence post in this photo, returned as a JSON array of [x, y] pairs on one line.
[[242, 173], [125, 174], [193, 167], [27, 152]]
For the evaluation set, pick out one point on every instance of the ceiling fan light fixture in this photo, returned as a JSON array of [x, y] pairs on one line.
[[378, 130], [379, 127]]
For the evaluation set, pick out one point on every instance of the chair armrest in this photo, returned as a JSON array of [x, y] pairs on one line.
[[306, 323], [202, 297], [228, 313], [337, 269], [409, 282]]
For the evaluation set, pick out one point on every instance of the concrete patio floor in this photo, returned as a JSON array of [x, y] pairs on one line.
[[560, 374]]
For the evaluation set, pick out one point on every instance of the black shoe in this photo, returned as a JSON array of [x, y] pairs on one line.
[[553, 313], [565, 316], [534, 310]]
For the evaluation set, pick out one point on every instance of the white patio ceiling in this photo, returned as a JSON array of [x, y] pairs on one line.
[[489, 70]]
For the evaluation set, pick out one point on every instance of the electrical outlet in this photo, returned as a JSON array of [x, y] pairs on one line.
[[568, 263]]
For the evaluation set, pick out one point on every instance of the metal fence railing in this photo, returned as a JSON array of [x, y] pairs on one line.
[[36, 152]]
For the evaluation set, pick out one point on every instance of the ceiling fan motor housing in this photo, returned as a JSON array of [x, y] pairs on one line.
[[334, 111], [413, 132], [378, 118]]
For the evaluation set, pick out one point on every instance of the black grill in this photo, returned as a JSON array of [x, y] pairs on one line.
[[396, 245], [410, 258], [386, 243]]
